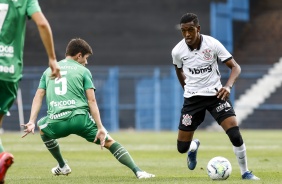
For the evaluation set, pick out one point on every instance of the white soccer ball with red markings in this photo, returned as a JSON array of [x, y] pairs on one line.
[[219, 168]]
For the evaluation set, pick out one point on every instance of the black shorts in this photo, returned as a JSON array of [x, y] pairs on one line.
[[194, 110]]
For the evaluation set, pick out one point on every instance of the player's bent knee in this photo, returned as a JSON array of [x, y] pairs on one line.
[[182, 146], [235, 136]]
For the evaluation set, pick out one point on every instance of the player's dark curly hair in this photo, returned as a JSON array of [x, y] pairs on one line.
[[189, 17], [78, 45]]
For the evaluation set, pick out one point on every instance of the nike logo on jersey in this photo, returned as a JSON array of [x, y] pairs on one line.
[[185, 58]]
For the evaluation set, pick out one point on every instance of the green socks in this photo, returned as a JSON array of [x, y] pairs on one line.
[[119, 152], [54, 148], [122, 155]]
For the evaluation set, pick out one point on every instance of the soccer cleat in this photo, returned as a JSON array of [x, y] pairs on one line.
[[144, 174], [6, 160], [61, 171], [192, 156], [248, 175]]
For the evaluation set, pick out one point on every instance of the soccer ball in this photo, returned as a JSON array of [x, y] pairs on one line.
[[219, 168]]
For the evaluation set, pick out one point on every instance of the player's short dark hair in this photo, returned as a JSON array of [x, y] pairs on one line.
[[189, 17], [78, 45]]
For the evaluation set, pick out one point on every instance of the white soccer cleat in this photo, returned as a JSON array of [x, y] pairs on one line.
[[144, 174], [61, 171]]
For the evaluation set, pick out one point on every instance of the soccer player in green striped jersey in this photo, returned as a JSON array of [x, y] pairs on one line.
[[72, 109], [13, 16]]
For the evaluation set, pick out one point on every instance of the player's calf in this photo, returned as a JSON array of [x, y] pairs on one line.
[[183, 146], [235, 136]]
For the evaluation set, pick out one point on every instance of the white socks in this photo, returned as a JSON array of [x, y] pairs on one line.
[[241, 156], [193, 146]]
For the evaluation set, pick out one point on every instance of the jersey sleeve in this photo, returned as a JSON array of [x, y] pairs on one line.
[[42, 82], [222, 52], [175, 59], [88, 81], [32, 7]]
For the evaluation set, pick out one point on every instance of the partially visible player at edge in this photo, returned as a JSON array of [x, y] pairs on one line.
[[195, 58], [72, 109], [12, 37]]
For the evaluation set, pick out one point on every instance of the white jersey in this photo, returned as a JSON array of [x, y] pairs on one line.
[[200, 66]]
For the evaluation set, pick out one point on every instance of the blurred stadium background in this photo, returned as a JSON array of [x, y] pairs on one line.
[[132, 67]]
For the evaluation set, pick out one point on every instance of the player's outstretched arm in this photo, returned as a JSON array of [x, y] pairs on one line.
[[35, 108], [47, 39]]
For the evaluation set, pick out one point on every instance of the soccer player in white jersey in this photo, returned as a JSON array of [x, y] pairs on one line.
[[72, 109], [196, 59]]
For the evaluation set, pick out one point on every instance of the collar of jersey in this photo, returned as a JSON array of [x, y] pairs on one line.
[[199, 46], [74, 61]]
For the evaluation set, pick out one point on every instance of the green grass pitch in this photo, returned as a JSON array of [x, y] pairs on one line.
[[154, 152]]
